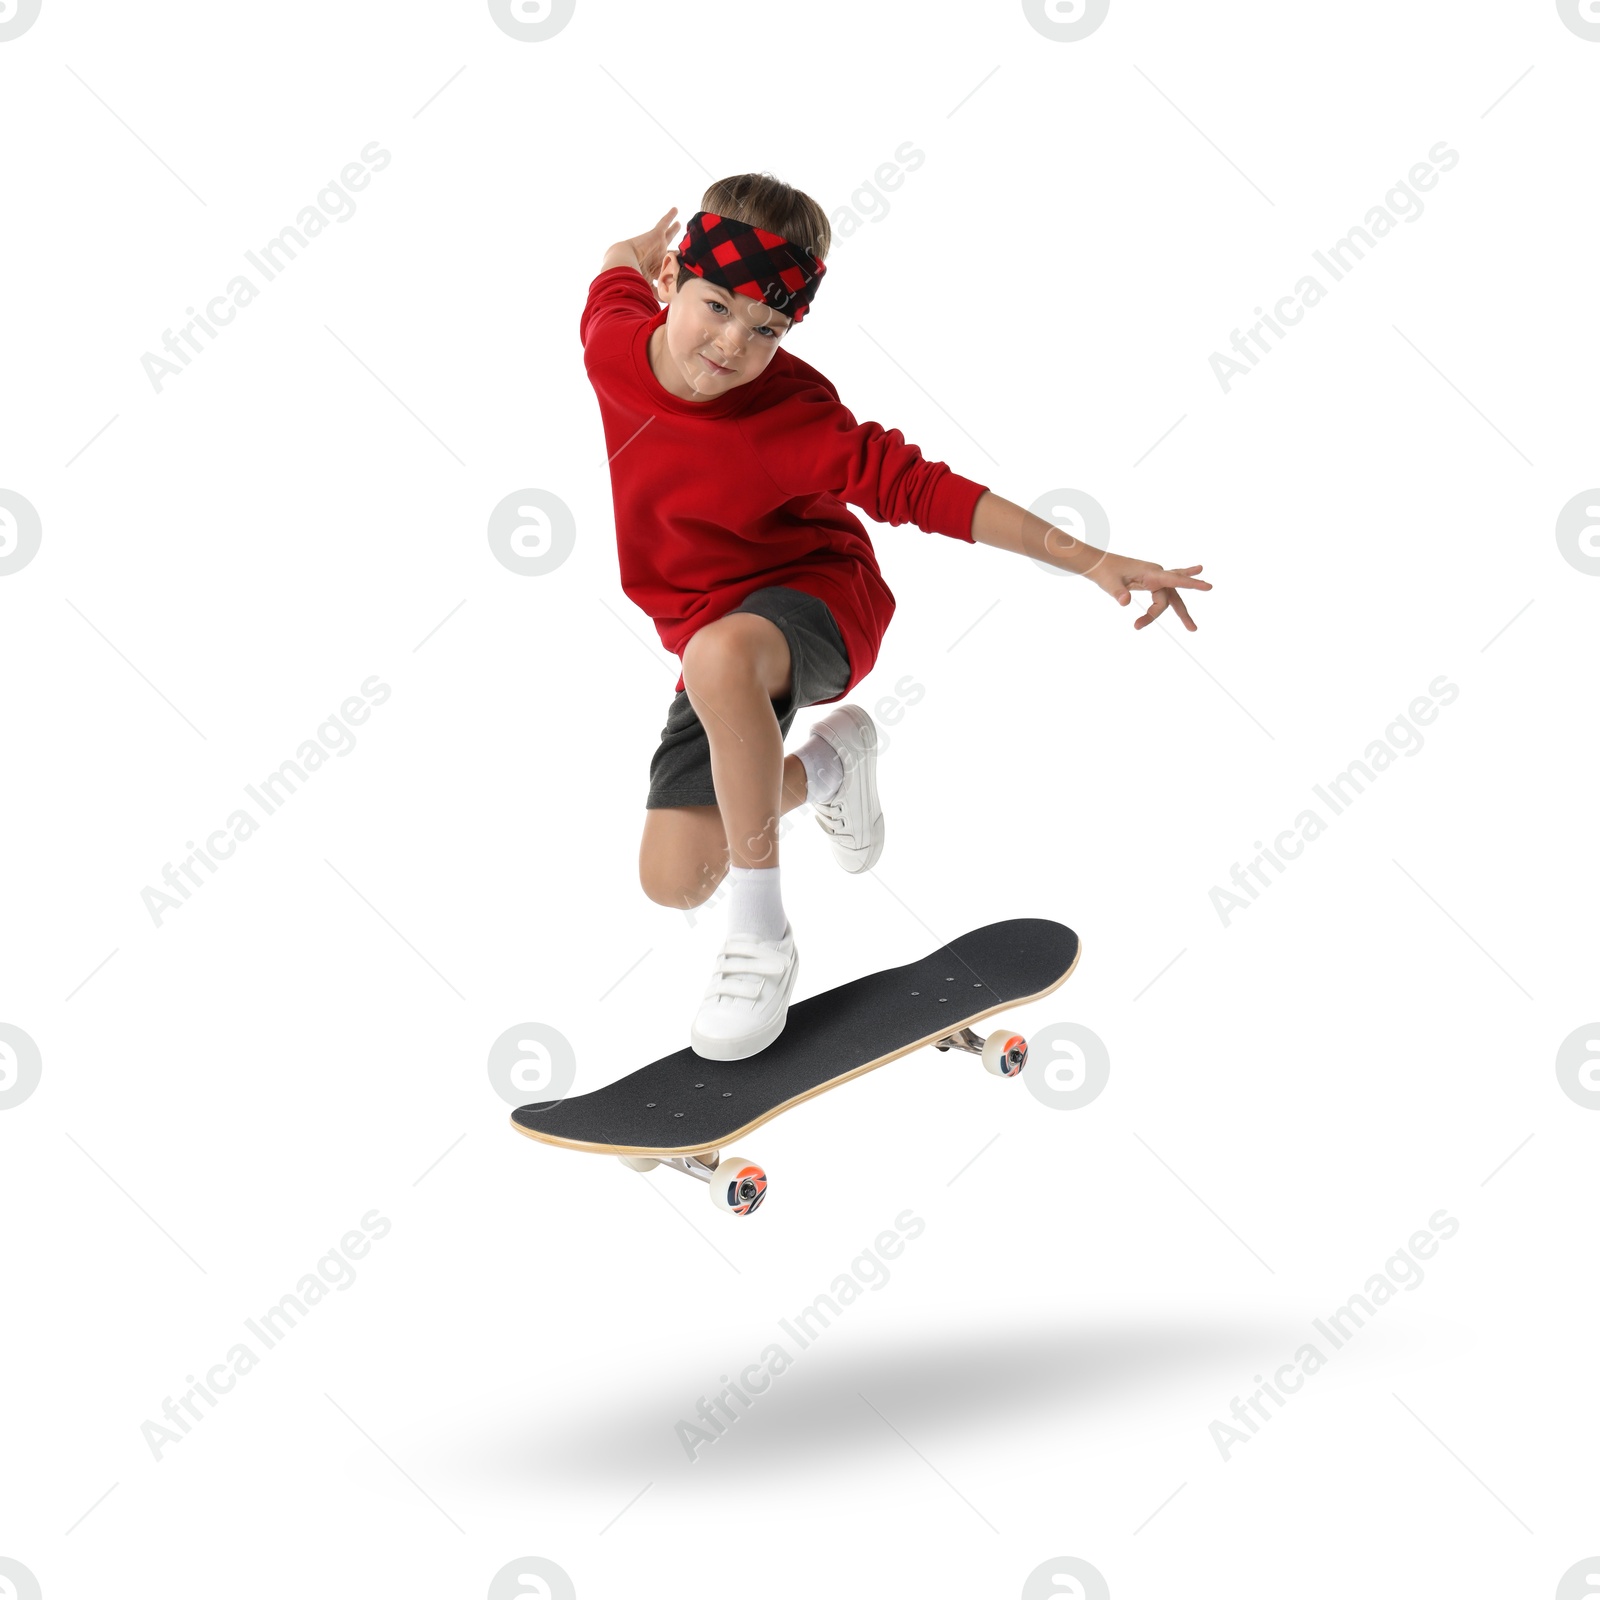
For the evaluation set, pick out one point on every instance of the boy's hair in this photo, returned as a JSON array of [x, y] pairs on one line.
[[762, 201]]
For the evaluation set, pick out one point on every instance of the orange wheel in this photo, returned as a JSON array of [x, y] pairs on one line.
[[738, 1186], [1005, 1054]]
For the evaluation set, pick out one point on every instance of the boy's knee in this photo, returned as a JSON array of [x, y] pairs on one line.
[[669, 890], [730, 646], [667, 879]]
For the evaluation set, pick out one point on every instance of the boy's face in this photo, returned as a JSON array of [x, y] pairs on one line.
[[713, 339]]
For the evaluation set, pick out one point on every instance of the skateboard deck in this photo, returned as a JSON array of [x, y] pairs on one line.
[[684, 1107]]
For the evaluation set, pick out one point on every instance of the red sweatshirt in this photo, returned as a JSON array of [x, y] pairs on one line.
[[716, 498]]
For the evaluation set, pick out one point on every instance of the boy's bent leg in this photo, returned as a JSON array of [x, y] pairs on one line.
[[733, 669], [683, 855]]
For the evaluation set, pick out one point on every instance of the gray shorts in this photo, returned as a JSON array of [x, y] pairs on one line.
[[680, 770]]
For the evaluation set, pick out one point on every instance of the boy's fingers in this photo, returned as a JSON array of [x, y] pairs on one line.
[[1174, 580], [1158, 605]]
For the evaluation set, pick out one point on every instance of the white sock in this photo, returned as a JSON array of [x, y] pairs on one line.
[[755, 906], [824, 769]]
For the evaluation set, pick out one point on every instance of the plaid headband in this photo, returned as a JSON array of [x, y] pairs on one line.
[[751, 261]]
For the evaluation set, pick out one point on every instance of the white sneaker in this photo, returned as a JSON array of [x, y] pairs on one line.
[[852, 819], [747, 1001]]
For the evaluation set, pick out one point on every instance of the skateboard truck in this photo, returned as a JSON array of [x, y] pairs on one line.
[[703, 1166], [1004, 1054], [737, 1184]]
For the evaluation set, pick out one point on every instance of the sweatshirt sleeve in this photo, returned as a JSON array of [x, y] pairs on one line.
[[619, 299], [824, 450]]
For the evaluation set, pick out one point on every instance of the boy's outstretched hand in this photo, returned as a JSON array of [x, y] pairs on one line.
[[651, 248], [1118, 575]]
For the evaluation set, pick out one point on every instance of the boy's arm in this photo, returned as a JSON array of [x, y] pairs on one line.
[[620, 255], [1007, 526]]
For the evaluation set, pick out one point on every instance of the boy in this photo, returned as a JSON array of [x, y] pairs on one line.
[[730, 462]]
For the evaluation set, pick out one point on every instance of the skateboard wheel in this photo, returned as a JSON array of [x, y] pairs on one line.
[[639, 1163], [1005, 1054], [737, 1185]]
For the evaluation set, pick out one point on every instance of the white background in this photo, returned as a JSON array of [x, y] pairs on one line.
[[304, 1041]]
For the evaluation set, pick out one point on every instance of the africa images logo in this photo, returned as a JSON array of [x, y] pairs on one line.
[[16, 17], [21, 532]]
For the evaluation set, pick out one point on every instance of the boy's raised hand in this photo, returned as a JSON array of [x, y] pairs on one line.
[[1118, 575], [651, 248]]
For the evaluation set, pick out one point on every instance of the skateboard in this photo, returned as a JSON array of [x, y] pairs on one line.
[[682, 1110]]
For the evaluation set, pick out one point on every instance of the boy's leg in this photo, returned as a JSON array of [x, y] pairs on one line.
[[683, 855], [733, 670]]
